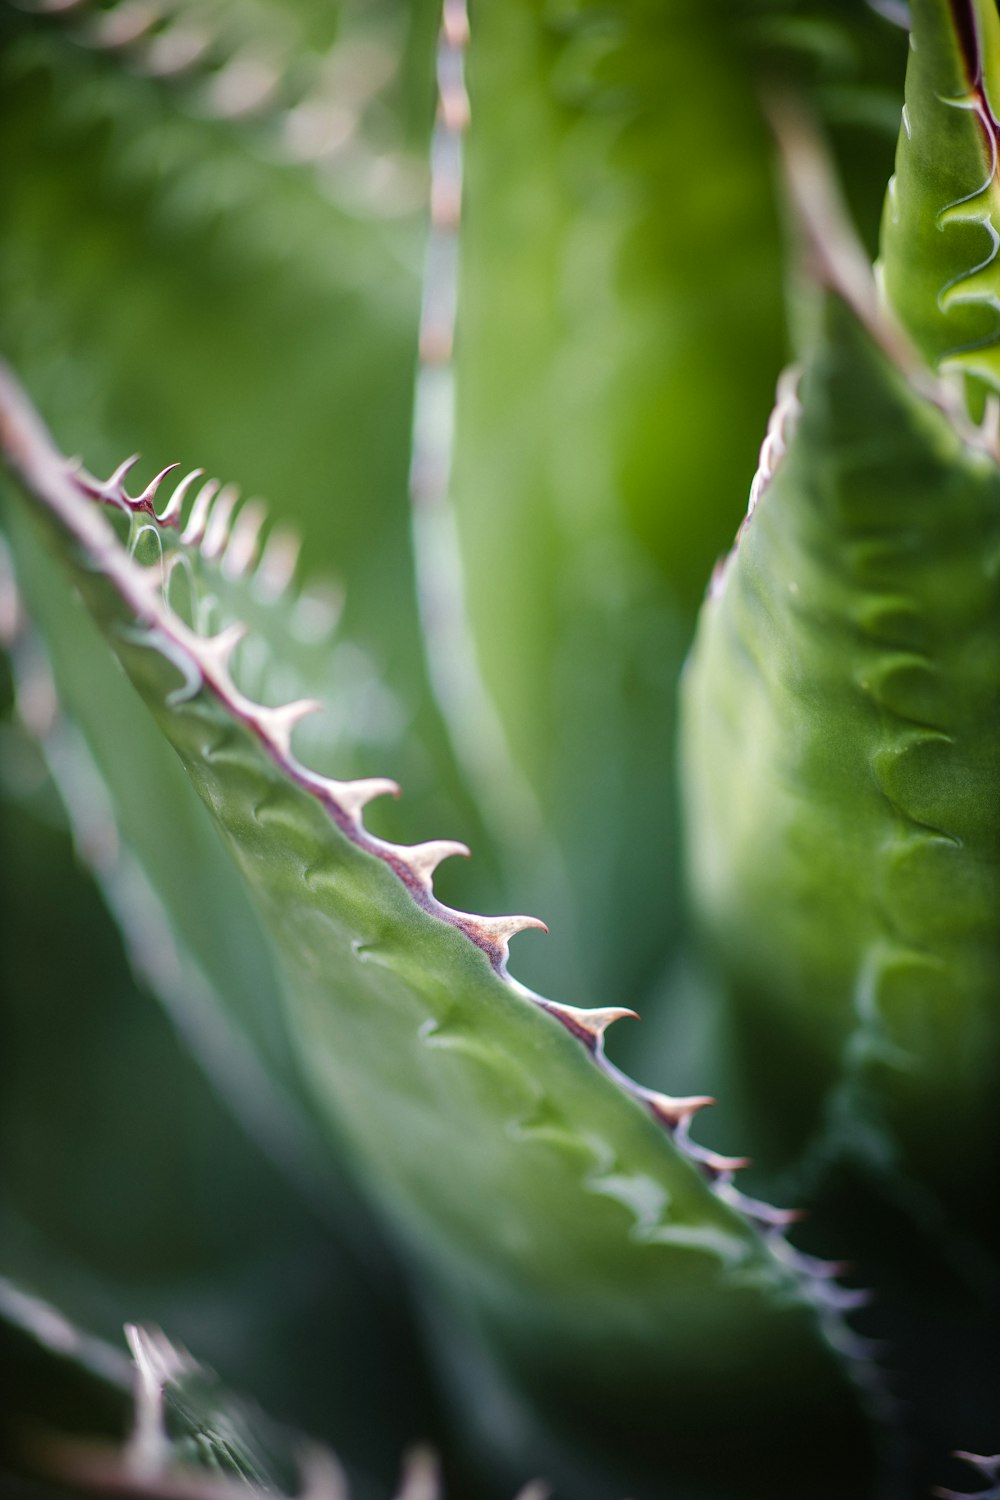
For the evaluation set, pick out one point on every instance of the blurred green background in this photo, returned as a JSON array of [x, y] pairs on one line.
[[218, 261]]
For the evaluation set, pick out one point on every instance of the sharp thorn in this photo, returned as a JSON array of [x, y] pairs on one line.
[[842, 1298], [500, 930], [242, 546], [219, 648], [812, 1266], [423, 859], [195, 528], [588, 1025], [172, 509], [763, 1213], [217, 526], [115, 481], [353, 796], [676, 1111], [276, 568], [154, 484], [719, 1165], [990, 1463], [277, 723]]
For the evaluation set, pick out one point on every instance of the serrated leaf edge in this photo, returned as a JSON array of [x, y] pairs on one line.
[[74, 498]]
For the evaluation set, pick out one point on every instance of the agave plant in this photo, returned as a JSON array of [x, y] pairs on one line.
[[274, 1095]]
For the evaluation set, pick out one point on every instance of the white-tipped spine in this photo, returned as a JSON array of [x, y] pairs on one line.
[[217, 527], [277, 724], [197, 520], [170, 515], [421, 860]]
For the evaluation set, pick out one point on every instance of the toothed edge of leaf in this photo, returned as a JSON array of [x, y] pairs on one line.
[[314, 114], [970, 208], [70, 495], [263, 1108], [149, 1464], [837, 260], [834, 258], [781, 425]]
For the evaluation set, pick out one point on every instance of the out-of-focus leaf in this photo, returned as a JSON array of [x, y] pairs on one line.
[[558, 1212], [110, 1205], [270, 302], [614, 368]]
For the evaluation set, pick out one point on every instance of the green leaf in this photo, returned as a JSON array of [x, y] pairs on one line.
[[606, 331], [258, 1248], [841, 732], [940, 236], [560, 1213], [272, 300], [841, 743]]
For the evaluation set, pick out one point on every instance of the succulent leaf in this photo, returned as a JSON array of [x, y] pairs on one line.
[[280, 1248], [941, 227], [449, 1082], [199, 246], [840, 748], [595, 350], [841, 731]]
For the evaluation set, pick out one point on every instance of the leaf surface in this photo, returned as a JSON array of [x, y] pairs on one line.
[[941, 228], [560, 1213], [841, 747]]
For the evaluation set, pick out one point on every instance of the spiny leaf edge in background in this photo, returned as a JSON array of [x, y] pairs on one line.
[[191, 1439], [217, 533], [206, 665], [252, 70], [938, 265], [220, 537]]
